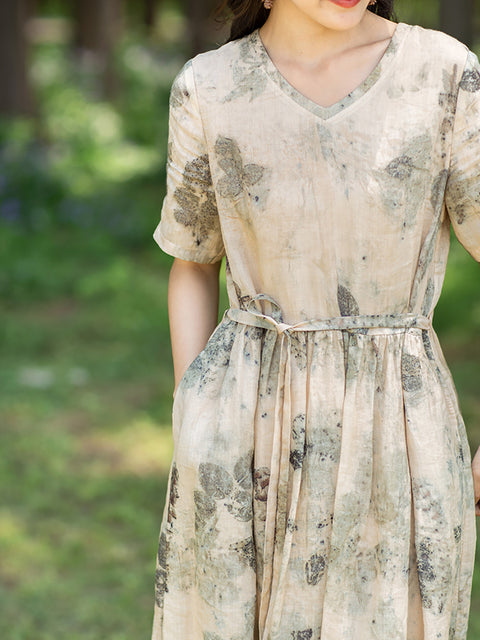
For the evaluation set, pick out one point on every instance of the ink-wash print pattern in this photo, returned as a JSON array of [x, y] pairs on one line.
[[321, 487]]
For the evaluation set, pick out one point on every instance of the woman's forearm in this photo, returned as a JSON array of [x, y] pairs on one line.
[[193, 294]]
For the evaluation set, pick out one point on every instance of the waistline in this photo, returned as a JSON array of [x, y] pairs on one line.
[[253, 317]]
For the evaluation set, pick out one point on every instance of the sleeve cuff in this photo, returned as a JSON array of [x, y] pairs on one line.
[[177, 251]]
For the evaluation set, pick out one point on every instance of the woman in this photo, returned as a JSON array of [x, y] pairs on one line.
[[321, 485]]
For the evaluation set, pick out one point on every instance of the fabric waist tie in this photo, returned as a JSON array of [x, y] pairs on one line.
[[280, 526]]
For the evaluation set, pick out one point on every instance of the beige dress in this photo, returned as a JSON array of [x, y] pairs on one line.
[[321, 487]]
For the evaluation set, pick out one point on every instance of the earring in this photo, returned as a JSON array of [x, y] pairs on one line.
[[269, 3]]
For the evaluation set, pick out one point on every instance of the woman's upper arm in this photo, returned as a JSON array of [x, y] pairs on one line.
[[206, 267]]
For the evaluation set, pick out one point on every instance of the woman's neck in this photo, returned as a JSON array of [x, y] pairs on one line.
[[291, 36]]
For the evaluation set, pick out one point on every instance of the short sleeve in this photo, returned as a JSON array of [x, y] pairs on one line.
[[462, 194], [189, 226]]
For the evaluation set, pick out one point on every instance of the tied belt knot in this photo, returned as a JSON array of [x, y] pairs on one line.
[[280, 520]]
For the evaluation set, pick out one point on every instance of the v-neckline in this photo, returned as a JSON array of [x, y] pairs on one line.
[[341, 105]]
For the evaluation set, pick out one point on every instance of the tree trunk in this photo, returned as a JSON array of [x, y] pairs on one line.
[[16, 96], [97, 27], [456, 19], [149, 13], [195, 13]]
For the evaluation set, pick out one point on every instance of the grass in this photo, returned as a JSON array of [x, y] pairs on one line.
[[85, 373]]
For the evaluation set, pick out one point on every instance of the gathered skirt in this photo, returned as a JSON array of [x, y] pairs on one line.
[[320, 488]]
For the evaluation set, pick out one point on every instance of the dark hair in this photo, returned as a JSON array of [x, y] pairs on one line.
[[249, 15]]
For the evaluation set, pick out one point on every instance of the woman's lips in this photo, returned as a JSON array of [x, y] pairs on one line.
[[345, 3]]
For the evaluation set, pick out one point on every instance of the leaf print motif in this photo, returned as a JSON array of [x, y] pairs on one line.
[[179, 92], [434, 574], [400, 167], [242, 300], [448, 100], [261, 477], [216, 480], [411, 373], [463, 194], [433, 554], [222, 563], [360, 564], [196, 198], [448, 97], [424, 560], [237, 176], [334, 156], [470, 80], [240, 505], [460, 213], [315, 568], [427, 345], [218, 484], [247, 76], [230, 161], [457, 533], [210, 362], [197, 172], [291, 525], [348, 306], [246, 550], [328, 445], [171, 515], [297, 454], [325, 522], [306, 634], [402, 180], [161, 571], [346, 302], [205, 509], [242, 471]]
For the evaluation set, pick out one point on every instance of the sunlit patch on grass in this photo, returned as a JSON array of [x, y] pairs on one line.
[[140, 448], [21, 552]]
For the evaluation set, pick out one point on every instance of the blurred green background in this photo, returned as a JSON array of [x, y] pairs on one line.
[[85, 364]]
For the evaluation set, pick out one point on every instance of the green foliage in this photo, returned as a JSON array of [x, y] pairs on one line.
[[86, 375], [91, 155], [426, 14]]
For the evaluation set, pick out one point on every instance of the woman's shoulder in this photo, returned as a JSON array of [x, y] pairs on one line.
[[437, 48], [225, 73], [224, 53]]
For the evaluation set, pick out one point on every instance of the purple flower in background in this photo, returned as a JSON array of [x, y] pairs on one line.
[[10, 209]]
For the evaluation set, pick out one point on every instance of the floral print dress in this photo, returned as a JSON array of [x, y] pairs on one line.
[[320, 486]]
